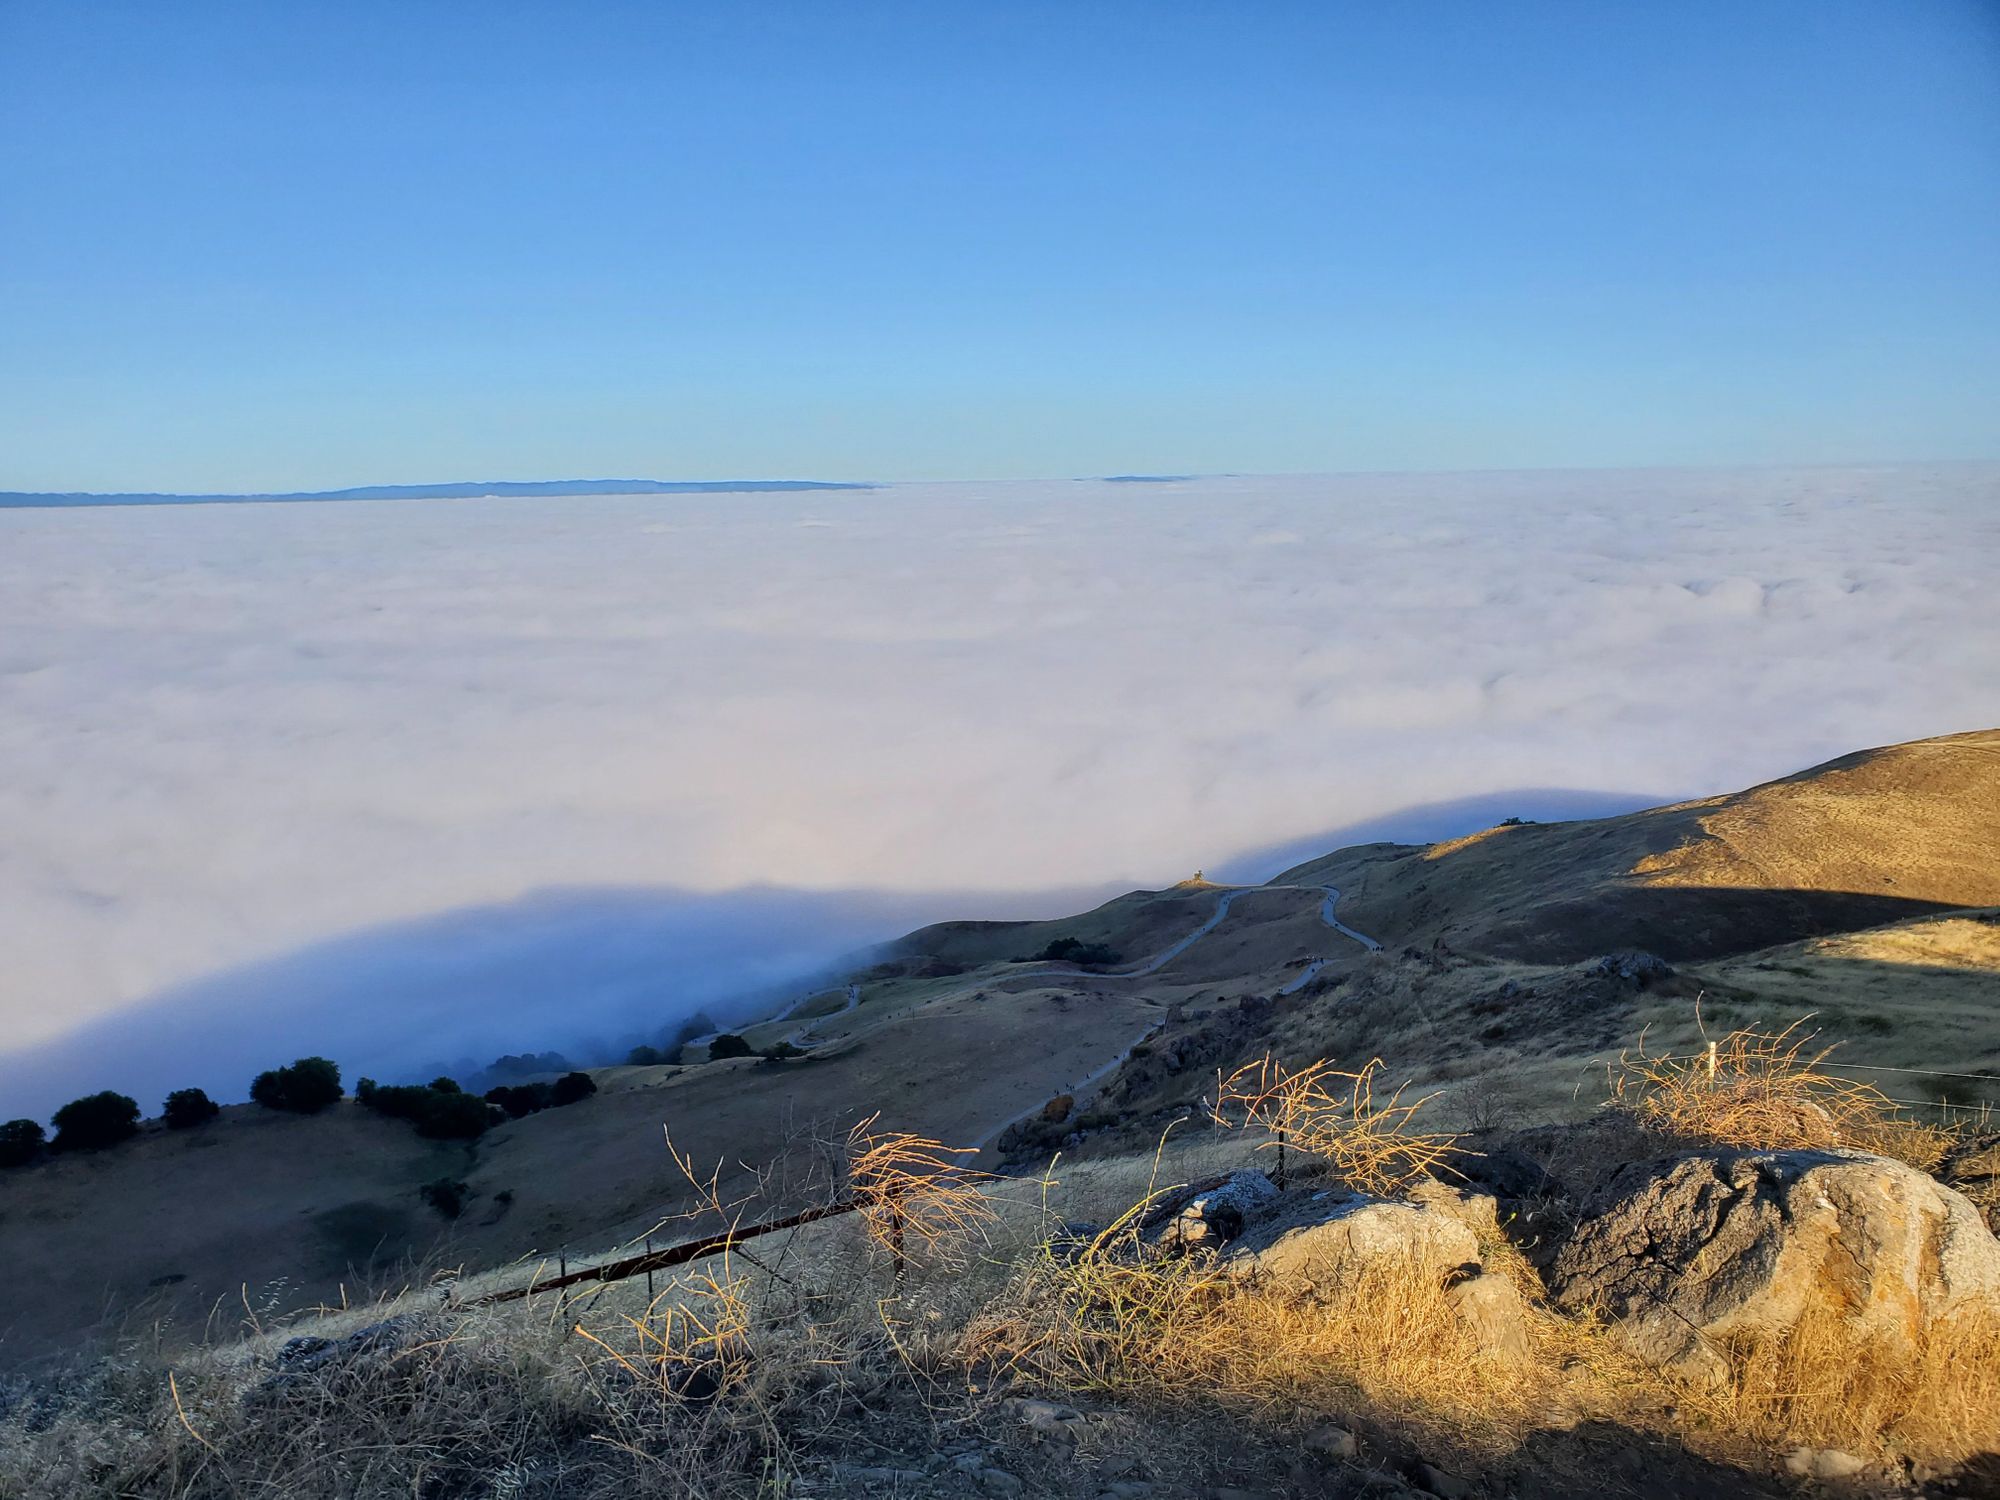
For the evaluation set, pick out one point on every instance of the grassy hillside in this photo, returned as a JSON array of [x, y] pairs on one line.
[[1871, 838]]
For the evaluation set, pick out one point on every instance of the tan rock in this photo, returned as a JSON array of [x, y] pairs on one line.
[[1492, 1308], [1314, 1247], [1479, 1212]]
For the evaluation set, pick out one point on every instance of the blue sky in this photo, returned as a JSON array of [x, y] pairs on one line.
[[286, 246]]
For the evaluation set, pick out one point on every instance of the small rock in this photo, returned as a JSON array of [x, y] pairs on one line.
[[1491, 1307], [1441, 1482], [970, 1463], [1636, 969], [1823, 1463], [1000, 1482], [876, 1474], [1117, 1465], [1333, 1441], [1048, 1419], [1126, 1489]]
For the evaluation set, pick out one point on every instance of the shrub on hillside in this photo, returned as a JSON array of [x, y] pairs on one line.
[[646, 1057], [20, 1142], [1076, 951], [440, 1114], [524, 1065], [572, 1088], [729, 1044], [447, 1195], [95, 1121], [305, 1088], [187, 1108], [456, 1116], [521, 1099]]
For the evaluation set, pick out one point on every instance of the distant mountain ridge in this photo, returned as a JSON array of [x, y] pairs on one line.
[[464, 490]]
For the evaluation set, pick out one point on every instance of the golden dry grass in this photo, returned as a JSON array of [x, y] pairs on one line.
[[1174, 1332], [1768, 1090], [1936, 1398]]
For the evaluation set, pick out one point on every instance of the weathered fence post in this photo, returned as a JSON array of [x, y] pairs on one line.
[[896, 1233]]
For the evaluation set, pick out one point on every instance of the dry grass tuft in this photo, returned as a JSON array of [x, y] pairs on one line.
[[1766, 1090], [1333, 1115]]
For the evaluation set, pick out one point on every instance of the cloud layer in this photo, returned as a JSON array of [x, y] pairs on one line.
[[232, 735]]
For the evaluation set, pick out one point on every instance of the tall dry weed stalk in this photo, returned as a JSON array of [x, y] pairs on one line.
[[1333, 1115], [916, 1193]]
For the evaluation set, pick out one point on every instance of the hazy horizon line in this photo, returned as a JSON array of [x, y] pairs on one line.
[[530, 488]]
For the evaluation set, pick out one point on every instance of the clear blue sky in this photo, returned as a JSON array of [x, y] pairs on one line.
[[289, 245]]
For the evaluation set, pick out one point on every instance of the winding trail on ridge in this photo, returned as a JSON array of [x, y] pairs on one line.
[[1079, 1090], [852, 1002], [1150, 966]]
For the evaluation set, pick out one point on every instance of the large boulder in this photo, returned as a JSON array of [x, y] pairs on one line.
[[1696, 1250]]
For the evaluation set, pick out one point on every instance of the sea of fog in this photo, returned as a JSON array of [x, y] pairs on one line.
[[414, 783]]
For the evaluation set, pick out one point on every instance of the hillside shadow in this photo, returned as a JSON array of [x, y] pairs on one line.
[[1684, 924]]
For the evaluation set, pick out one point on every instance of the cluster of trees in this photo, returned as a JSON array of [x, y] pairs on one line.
[[526, 1098], [519, 1065], [696, 1025], [1074, 951], [440, 1109], [728, 1045], [99, 1120], [305, 1088]]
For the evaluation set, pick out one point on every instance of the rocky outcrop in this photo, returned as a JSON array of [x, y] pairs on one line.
[[1638, 970], [1212, 1213], [1318, 1245], [1693, 1251]]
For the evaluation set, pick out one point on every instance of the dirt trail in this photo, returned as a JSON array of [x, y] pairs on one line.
[[797, 1038]]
